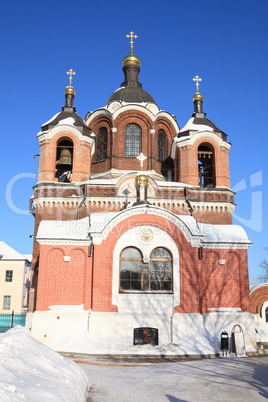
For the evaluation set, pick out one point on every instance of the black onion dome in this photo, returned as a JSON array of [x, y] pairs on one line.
[[68, 112], [131, 89]]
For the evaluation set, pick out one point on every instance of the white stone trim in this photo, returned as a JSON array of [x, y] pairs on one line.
[[147, 210], [136, 302], [64, 242], [190, 140], [48, 135], [229, 246]]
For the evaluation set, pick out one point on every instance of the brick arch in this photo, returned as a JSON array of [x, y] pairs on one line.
[[104, 252], [258, 297]]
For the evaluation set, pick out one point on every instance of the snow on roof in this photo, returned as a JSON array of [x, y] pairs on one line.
[[75, 229], [8, 253], [171, 184], [28, 257], [223, 233], [195, 127], [32, 371], [68, 120], [80, 229], [50, 120], [98, 221]]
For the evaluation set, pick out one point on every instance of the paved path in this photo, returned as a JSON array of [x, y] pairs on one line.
[[230, 379]]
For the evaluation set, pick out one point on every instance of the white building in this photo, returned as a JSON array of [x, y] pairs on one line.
[[15, 276]]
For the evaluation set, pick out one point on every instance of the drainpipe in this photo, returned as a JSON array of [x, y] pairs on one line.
[[84, 189]]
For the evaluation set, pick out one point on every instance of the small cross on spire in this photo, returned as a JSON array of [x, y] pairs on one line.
[[132, 36], [70, 73], [141, 158], [197, 79]]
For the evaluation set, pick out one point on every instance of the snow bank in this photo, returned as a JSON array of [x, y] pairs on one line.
[[33, 372]]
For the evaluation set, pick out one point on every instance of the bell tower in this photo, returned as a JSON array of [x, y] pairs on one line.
[[201, 160], [66, 147]]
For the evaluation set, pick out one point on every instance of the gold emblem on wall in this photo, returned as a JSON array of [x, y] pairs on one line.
[[146, 235]]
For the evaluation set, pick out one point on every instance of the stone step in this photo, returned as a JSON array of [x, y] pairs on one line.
[[262, 351]]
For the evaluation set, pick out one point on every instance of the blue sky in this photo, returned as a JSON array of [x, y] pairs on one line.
[[224, 42]]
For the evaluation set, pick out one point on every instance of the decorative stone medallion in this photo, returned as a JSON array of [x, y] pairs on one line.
[[146, 235]]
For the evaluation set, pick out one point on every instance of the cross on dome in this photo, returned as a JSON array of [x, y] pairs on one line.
[[132, 36], [197, 79], [71, 72], [141, 158]]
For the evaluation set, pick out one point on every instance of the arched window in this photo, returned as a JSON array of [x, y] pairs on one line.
[[155, 275], [132, 141], [131, 269], [160, 270], [162, 145], [266, 314], [102, 138], [64, 160], [206, 170]]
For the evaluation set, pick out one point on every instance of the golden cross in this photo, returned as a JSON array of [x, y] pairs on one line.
[[197, 79], [141, 158], [70, 73], [132, 36]]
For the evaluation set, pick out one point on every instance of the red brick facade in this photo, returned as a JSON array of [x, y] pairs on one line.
[[205, 284]]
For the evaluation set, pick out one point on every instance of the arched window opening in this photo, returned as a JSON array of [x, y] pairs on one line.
[[102, 141], [131, 269], [132, 141], [266, 314], [162, 145], [160, 269], [155, 275], [206, 170], [64, 160]]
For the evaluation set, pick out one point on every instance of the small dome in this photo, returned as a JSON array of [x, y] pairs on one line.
[[198, 96], [131, 59], [70, 90], [141, 180]]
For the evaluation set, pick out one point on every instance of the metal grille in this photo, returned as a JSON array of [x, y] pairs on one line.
[[102, 144], [132, 141], [8, 321], [162, 146]]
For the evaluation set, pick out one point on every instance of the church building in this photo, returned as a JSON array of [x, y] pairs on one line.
[[133, 231]]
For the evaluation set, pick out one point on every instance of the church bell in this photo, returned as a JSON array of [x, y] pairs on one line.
[[65, 160]]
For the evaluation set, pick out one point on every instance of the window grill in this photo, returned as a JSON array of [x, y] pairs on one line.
[[102, 142], [132, 141], [162, 145]]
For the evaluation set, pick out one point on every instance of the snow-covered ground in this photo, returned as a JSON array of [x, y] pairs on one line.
[[33, 372], [76, 341]]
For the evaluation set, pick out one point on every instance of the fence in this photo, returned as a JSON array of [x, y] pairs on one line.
[[8, 321]]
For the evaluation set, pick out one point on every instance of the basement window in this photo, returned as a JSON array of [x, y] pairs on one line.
[[146, 336]]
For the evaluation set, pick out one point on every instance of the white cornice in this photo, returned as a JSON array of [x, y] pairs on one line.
[[226, 245], [49, 134], [190, 140], [64, 242]]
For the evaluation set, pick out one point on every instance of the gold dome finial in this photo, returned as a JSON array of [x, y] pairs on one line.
[[69, 89], [131, 58]]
